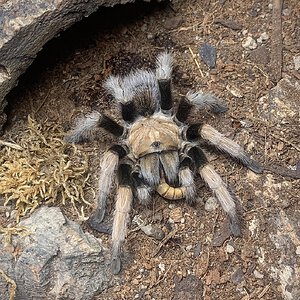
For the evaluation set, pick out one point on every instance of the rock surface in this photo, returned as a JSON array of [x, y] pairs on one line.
[[25, 26], [57, 260]]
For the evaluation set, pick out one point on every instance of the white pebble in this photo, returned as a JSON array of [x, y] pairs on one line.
[[189, 248], [249, 43], [298, 250], [296, 60], [162, 267], [229, 249], [244, 32], [263, 37], [258, 275], [211, 204]]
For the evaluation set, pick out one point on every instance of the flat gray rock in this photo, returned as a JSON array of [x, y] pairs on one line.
[[56, 261]]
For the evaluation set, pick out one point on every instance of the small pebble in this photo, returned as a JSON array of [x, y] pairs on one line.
[[286, 12], [244, 32], [144, 27], [162, 267], [296, 60], [263, 37], [237, 276], [229, 249], [258, 275], [298, 250], [189, 248], [249, 43], [211, 204], [150, 36], [208, 54]]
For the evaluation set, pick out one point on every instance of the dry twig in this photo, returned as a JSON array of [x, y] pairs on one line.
[[196, 61]]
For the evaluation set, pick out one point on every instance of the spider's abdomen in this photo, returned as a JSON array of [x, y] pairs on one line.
[[154, 134]]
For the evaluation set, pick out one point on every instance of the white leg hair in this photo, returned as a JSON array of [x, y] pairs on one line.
[[217, 185], [124, 89], [216, 138], [144, 194], [115, 86], [85, 128], [119, 231], [108, 165], [206, 100], [164, 63], [186, 179]]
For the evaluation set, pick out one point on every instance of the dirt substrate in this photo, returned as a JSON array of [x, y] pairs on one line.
[[198, 259]]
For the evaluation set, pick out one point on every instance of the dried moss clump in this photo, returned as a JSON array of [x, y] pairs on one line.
[[39, 167]]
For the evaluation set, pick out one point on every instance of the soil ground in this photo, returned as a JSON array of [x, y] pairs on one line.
[[198, 259]]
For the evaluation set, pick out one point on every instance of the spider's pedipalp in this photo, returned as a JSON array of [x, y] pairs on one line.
[[217, 185], [206, 100], [216, 138], [121, 216], [85, 128], [170, 164], [149, 165]]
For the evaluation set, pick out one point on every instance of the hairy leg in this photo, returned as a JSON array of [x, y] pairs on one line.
[[198, 100], [108, 166], [217, 139], [217, 185], [121, 216], [164, 66], [86, 127]]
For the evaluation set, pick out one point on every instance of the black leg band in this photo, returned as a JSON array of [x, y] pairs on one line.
[[120, 150], [192, 133], [166, 102], [129, 112], [111, 126], [124, 175], [198, 156], [183, 110]]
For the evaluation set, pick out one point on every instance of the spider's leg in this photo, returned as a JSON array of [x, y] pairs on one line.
[[217, 185], [164, 65], [123, 205], [86, 126], [137, 93], [186, 178], [108, 165], [217, 139], [198, 100]]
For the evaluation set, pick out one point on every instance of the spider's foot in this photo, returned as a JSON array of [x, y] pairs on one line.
[[252, 165], [116, 265], [235, 225], [95, 222]]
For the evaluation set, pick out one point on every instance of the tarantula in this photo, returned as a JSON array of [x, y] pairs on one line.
[[156, 150]]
